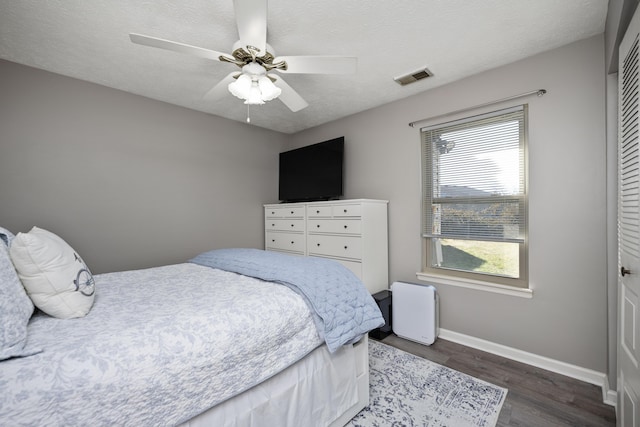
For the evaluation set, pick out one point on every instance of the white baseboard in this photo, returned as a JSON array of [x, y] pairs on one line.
[[583, 374]]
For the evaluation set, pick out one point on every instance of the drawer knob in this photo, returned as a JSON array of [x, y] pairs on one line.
[[318, 244], [273, 240], [318, 212], [318, 226], [291, 212], [293, 225], [273, 225], [345, 227], [345, 247], [292, 242]]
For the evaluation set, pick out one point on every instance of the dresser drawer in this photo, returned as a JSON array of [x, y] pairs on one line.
[[271, 224], [335, 246], [335, 226], [285, 242], [354, 266], [285, 212], [347, 210], [319, 211]]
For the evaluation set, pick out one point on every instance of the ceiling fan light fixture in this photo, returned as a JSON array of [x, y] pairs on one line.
[[254, 86], [255, 97], [268, 90], [241, 87]]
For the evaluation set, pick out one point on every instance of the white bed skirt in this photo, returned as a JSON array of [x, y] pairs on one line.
[[322, 389]]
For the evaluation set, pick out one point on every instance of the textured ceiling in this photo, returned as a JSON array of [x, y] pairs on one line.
[[89, 40]]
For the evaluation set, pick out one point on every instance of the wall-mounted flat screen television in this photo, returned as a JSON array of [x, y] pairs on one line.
[[313, 172]]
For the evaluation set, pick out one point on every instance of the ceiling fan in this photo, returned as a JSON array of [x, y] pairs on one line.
[[255, 57]]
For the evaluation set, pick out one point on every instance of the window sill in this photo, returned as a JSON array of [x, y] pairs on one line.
[[476, 284]]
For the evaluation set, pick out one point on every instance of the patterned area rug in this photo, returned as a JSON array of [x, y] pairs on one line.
[[407, 390]]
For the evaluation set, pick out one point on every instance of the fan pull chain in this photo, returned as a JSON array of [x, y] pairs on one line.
[[248, 113]]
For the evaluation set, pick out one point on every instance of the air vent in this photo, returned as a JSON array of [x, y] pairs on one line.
[[413, 77]]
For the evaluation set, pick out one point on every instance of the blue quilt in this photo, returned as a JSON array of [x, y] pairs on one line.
[[345, 310]]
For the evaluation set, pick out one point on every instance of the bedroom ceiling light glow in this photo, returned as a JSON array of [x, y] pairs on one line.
[[254, 86]]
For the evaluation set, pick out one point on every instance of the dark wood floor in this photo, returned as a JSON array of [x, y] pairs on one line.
[[536, 397]]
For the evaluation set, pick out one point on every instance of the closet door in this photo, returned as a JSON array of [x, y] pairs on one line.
[[629, 228]]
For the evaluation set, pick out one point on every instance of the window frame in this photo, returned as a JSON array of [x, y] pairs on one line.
[[480, 280]]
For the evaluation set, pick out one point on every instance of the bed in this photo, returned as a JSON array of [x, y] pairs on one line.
[[196, 344]]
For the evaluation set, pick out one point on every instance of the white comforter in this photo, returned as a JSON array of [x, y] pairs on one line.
[[159, 346]]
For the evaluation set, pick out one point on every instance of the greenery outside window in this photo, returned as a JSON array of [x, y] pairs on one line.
[[474, 222]]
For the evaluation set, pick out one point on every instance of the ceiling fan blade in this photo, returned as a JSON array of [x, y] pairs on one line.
[[319, 64], [289, 97], [221, 89], [177, 47], [251, 18]]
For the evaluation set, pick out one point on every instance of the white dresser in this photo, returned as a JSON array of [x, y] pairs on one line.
[[352, 232]]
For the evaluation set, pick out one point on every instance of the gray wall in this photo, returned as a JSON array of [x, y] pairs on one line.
[[567, 317], [129, 182]]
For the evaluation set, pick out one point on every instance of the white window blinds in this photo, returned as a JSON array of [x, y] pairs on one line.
[[474, 178]]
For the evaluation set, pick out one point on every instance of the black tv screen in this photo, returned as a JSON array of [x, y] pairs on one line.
[[312, 173]]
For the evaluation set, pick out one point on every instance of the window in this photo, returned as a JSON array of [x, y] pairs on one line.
[[475, 198]]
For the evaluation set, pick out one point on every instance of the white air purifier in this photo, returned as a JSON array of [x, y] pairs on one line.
[[414, 309]]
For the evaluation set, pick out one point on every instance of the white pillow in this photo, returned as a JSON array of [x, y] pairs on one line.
[[56, 279]]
